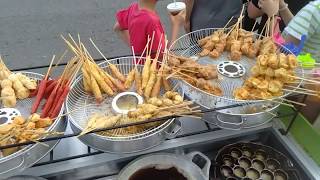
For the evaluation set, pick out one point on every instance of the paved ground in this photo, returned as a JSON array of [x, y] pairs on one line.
[[30, 29]]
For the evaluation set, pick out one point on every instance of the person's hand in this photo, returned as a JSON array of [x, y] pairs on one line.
[[187, 27], [178, 19], [282, 4], [270, 7]]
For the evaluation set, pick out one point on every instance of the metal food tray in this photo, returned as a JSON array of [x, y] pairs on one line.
[[235, 118], [83, 105], [253, 157], [31, 154]]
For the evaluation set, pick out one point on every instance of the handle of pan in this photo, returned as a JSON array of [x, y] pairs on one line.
[[175, 130], [202, 161], [2, 173]]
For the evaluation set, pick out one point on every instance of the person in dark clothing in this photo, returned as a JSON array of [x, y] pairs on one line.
[[202, 14]]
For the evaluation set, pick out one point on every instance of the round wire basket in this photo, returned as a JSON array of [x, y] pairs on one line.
[[82, 105], [187, 46], [29, 154]]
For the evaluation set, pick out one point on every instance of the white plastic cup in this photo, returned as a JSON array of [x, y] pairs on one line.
[[176, 7]]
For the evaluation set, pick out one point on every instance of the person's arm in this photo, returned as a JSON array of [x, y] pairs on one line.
[[304, 23], [285, 12], [123, 34], [189, 6], [176, 22], [253, 11]]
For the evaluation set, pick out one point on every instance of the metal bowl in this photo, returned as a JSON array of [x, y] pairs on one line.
[[239, 117], [31, 154], [83, 105]]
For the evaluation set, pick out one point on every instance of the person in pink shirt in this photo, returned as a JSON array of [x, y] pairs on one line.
[[140, 20]]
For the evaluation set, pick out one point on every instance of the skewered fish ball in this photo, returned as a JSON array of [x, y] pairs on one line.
[[214, 54], [283, 63], [292, 61], [273, 61], [203, 41], [204, 52], [255, 71], [262, 60], [270, 72], [275, 86], [241, 93]]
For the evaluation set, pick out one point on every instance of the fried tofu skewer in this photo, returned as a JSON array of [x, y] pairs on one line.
[[156, 88], [153, 72], [146, 67], [137, 74]]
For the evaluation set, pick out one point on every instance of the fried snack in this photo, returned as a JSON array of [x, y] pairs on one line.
[[241, 93], [115, 71], [203, 41], [263, 85], [26, 81], [102, 84], [204, 52], [273, 61], [235, 51], [275, 86], [255, 71], [138, 82], [20, 91], [280, 73], [172, 61], [95, 89], [292, 61], [262, 60], [152, 80], [213, 54], [283, 62], [270, 72], [118, 84], [146, 72], [209, 45], [157, 86], [86, 80], [130, 79]]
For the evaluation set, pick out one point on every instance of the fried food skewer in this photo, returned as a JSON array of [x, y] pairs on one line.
[[157, 86], [153, 72]]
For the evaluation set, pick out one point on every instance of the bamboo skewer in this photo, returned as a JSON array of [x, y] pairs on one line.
[[308, 80], [293, 102], [303, 89], [254, 25], [274, 101], [228, 23], [50, 66], [301, 92]]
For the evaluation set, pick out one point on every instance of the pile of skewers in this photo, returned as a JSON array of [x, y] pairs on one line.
[[269, 76], [238, 42], [97, 80], [14, 85], [56, 90], [22, 130], [171, 103], [194, 73]]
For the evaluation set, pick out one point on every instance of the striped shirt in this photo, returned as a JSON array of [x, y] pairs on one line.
[[307, 22]]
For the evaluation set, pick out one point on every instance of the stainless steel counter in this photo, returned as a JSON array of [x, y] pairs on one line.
[[195, 136]]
